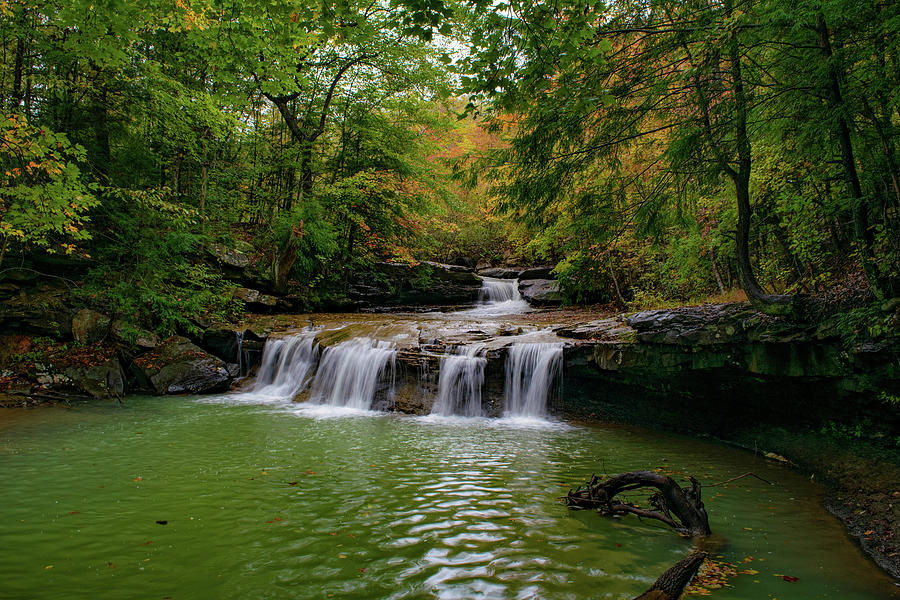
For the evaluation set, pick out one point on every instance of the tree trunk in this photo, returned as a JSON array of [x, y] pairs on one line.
[[715, 268], [15, 97], [863, 233], [671, 584], [101, 135], [740, 176], [287, 257]]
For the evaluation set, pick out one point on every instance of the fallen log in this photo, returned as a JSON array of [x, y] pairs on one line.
[[671, 584], [679, 508]]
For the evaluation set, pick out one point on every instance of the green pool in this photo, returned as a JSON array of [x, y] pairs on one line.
[[185, 497]]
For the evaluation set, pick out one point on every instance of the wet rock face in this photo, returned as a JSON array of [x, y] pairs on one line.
[[394, 284], [716, 367], [40, 309], [177, 366], [89, 326]]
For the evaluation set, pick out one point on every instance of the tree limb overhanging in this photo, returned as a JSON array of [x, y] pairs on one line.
[[679, 508]]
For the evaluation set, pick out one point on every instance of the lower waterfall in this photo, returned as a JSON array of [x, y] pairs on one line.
[[459, 384], [350, 373], [286, 366], [532, 370]]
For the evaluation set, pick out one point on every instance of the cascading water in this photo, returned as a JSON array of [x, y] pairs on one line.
[[499, 297], [459, 384], [287, 363], [350, 372], [532, 369], [498, 290]]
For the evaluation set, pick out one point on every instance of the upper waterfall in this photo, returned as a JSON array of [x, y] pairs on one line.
[[499, 297]]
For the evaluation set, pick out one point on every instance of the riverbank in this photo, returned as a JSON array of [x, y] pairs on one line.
[[861, 479]]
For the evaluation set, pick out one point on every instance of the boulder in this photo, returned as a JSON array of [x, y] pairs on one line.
[[500, 273], [540, 292], [89, 326], [537, 273], [105, 380], [254, 299], [236, 256], [177, 366]]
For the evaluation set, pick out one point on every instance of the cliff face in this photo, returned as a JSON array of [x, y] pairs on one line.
[[715, 368]]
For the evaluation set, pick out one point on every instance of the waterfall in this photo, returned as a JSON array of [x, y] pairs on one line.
[[532, 369], [459, 383], [498, 297], [498, 290], [286, 365], [350, 372]]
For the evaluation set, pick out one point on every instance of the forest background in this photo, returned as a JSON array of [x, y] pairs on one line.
[[654, 152]]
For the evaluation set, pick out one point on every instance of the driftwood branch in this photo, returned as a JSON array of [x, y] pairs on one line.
[[679, 508]]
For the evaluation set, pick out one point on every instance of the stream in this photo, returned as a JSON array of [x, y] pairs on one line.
[[278, 500], [252, 495]]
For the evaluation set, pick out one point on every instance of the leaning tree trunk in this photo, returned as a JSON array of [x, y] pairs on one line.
[[671, 584], [680, 508], [740, 176], [287, 257]]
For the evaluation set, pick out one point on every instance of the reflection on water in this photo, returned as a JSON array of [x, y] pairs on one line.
[[282, 501]]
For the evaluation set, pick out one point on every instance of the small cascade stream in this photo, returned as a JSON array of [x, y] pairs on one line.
[[286, 366], [350, 373], [532, 370], [459, 386]]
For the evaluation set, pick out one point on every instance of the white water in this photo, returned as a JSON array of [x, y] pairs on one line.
[[459, 385], [499, 297], [532, 369], [349, 373], [286, 366]]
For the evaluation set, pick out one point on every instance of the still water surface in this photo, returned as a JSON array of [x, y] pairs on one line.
[[272, 501]]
